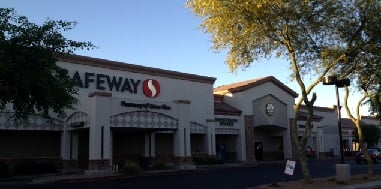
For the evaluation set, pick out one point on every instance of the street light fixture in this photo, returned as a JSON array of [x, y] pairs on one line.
[[339, 83]]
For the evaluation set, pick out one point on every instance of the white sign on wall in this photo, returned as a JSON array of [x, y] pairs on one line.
[[290, 166]]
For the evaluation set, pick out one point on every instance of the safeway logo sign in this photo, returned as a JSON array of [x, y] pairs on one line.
[[151, 88]]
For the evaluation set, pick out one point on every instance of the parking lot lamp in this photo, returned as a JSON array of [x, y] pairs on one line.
[[339, 83]]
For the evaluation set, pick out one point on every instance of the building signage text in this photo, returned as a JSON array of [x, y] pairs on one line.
[[226, 121], [150, 87], [270, 109], [146, 105]]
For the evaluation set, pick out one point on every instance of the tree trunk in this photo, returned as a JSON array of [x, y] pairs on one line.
[[304, 165], [299, 146], [357, 122], [364, 150]]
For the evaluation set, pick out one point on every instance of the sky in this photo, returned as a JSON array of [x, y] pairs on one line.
[[160, 34]]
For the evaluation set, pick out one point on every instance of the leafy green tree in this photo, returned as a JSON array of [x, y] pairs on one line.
[[314, 35], [30, 80], [362, 64], [374, 103]]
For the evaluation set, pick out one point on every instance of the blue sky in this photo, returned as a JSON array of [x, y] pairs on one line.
[[160, 34]]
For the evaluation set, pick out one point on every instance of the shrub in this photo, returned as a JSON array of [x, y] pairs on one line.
[[208, 161], [160, 165], [130, 167]]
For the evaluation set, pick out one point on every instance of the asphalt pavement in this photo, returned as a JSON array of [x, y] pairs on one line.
[[215, 172]]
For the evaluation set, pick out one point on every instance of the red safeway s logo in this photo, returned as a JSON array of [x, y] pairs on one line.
[[151, 88]]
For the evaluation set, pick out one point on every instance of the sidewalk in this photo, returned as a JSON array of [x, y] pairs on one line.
[[83, 177], [80, 177]]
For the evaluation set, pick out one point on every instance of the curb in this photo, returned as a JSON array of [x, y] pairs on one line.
[[89, 178]]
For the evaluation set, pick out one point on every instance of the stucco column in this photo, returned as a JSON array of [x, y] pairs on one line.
[[99, 132], [74, 145], [182, 151], [211, 138], [287, 146], [69, 150], [241, 149], [107, 154], [152, 145], [65, 144], [110, 150], [320, 141], [250, 140], [147, 144]]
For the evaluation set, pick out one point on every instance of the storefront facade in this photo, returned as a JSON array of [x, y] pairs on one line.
[[124, 112], [266, 111], [135, 113]]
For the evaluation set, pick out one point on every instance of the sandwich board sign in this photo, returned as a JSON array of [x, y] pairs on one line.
[[290, 166]]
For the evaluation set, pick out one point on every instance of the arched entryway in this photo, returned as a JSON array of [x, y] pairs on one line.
[[139, 135], [269, 142], [78, 124]]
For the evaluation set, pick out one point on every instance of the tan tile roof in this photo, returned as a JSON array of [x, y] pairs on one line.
[[221, 108], [244, 85], [103, 63], [320, 108], [303, 117], [347, 123]]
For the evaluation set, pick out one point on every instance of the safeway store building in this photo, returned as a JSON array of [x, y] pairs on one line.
[[130, 112]]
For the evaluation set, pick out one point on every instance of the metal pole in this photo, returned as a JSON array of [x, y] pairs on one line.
[[339, 126]]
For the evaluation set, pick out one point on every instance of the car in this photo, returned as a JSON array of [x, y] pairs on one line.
[[374, 154]]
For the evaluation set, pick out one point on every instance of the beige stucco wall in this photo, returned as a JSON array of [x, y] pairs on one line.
[[242, 99], [199, 94], [253, 102]]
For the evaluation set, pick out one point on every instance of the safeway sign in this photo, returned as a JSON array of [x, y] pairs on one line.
[[149, 87]]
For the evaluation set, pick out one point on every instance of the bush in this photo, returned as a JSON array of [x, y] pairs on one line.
[[130, 167], [208, 161], [160, 165]]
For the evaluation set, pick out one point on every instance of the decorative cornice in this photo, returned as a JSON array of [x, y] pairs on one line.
[[210, 120], [182, 101], [244, 85], [97, 93], [103, 63]]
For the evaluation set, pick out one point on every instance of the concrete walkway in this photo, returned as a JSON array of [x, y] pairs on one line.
[[80, 177]]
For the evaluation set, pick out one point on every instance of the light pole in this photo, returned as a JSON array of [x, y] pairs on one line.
[[339, 83]]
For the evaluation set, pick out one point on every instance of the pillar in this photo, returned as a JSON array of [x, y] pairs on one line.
[[152, 145], [99, 133], [287, 143], [320, 142], [149, 145], [211, 138], [74, 145], [68, 164], [149, 150], [182, 147], [70, 151], [65, 144], [249, 135], [241, 150]]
